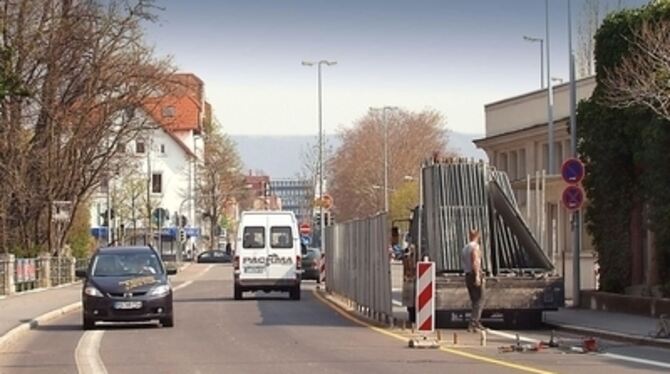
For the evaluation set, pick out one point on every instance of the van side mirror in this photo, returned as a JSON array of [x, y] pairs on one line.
[[80, 273]]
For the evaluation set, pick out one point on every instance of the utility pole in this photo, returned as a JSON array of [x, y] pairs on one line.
[[149, 233], [322, 222], [576, 219], [550, 98]]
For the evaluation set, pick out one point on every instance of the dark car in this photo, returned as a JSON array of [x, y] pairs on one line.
[[214, 257], [311, 264], [124, 284]]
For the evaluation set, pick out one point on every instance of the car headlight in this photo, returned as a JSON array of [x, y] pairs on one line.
[[160, 290], [92, 291]]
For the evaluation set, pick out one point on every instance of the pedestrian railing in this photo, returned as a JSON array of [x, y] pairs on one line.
[[358, 266], [4, 268], [62, 270], [24, 274]]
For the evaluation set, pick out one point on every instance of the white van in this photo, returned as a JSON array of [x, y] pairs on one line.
[[267, 257]]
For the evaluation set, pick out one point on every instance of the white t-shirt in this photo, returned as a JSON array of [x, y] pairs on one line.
[[466, 256]]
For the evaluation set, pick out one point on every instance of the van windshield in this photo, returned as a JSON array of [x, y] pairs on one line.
[[281, 237], [254, 237]]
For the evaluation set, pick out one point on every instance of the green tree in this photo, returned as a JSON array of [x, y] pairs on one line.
[[624, 143]]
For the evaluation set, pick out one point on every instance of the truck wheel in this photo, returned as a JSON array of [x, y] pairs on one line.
[[237, 293], [411, 313]]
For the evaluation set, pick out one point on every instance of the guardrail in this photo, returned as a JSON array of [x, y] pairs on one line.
[[24, 274], [358, 266]]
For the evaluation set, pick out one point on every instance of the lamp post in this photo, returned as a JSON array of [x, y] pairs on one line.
[[550, 96], [576, 228], [541, 41], [386, 154], [320, 100]]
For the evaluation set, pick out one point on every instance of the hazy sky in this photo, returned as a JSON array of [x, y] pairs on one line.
[[450, 55]]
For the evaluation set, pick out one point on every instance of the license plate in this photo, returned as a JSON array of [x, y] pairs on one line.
[[254, 270], [127, 305]]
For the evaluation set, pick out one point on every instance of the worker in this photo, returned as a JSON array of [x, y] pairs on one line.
[[471, 261]]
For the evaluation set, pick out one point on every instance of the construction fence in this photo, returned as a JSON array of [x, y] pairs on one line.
[[358, 264]]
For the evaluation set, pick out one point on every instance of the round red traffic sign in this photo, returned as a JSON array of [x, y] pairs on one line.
[[573, 197], [305, 229], [572, 170]]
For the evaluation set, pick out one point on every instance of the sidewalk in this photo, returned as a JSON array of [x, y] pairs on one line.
[[617, 326], [24, 307]]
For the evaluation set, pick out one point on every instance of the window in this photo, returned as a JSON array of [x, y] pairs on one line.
[[168, 111], [281, 237], [104, 185], [157, 183], [162, 149], [121, 147], [254, 237], [139, 147]]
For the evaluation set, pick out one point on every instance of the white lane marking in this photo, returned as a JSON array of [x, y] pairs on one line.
[[512, 336], [185, 284], [637, 360], [87, 354], [396, 289], [397, 303]]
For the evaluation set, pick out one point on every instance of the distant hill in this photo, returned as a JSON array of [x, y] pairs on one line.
[[280, 156]]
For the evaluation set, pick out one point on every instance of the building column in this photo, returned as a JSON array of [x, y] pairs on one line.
[[8, 261]]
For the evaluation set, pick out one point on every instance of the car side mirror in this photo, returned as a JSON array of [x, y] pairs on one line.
[[80, 273], [171, 271]]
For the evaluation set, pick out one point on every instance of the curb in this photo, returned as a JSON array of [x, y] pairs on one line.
[[616, 336], [35, 322]]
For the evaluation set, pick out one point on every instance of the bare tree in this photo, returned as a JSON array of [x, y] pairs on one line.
[[220, 178], [85, 68], [356, 171], [642, 77]]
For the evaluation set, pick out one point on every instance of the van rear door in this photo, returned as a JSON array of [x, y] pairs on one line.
[[253, 254], [283, 248]]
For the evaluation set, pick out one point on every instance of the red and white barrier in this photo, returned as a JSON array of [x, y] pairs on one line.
[[425, 296]]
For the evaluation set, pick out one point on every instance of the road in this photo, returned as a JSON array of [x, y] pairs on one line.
[[268, 333]]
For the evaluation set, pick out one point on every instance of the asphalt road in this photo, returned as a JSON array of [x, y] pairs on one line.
[[267, 333]]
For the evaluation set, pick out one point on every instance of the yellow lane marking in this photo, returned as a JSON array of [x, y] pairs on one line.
[[453, 351]]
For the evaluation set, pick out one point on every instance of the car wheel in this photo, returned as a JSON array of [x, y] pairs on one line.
[[168, 321], [294, 294], [89, 323], [237, 293]]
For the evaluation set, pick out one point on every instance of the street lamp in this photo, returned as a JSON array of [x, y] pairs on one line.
[[555, 79], [318, 65], [386, 154], [541, 41]]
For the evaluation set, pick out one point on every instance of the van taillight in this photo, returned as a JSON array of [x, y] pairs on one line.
[[298, 263], [236, 263]]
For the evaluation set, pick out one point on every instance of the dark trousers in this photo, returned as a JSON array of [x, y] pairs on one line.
[[476, 297]]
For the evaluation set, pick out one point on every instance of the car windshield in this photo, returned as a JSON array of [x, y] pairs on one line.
[[126, 264]]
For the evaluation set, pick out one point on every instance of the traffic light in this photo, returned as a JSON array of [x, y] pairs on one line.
[[182, 235]]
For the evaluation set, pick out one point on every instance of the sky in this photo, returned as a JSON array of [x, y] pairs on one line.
[[453, 56]]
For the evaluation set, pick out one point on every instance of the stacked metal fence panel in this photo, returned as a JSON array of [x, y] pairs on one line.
[[455, 200], [357, 263], [457, 197]]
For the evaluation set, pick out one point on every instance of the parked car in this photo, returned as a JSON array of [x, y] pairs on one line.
[[311, 264], [126, 284], [214, 257]]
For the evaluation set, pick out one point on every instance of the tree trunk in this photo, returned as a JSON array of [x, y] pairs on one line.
[[636, 242]]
